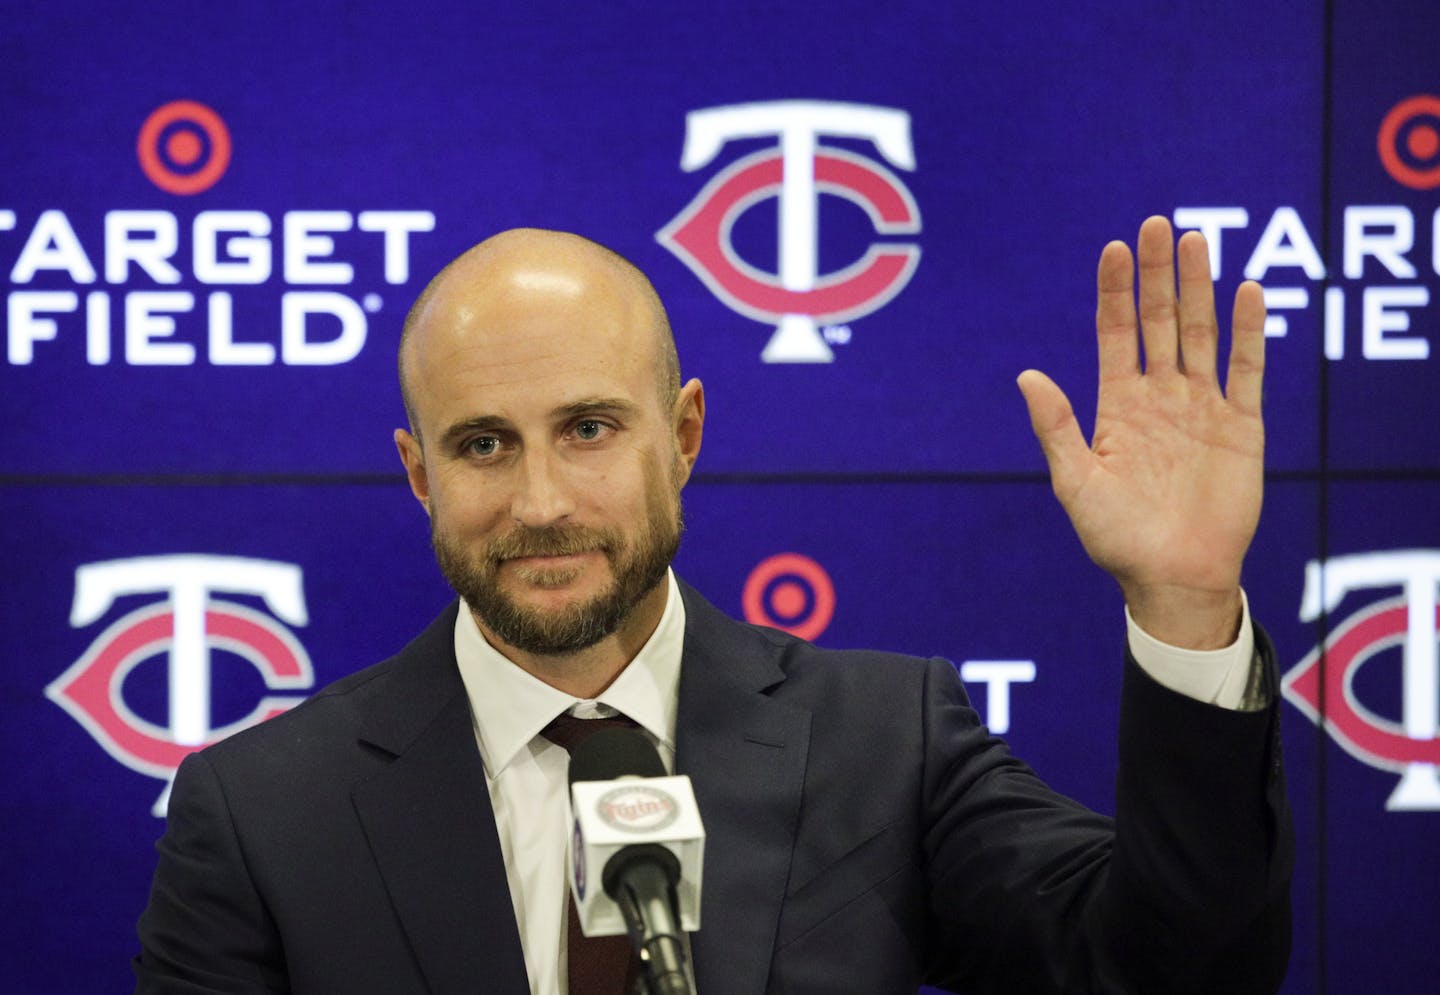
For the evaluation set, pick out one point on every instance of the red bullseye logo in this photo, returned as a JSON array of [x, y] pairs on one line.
[[1409, 142], [792, 593], [184, 147]]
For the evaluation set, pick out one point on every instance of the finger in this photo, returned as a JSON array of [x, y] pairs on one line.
[[1245, 377], [1115, 325], [1159, 331], [1054, 424], [1199, 331]]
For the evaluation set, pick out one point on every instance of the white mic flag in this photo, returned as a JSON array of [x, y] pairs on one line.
[[609, 816]]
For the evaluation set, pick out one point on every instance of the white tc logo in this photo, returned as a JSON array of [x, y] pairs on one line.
[[1413, 746], [798, 298], [186, 627]]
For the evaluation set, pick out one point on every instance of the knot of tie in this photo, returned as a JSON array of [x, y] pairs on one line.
[[569, 731]]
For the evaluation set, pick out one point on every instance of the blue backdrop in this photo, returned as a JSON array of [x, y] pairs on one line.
[[213, 218]]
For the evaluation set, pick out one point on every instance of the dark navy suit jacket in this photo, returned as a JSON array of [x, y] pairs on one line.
[[864, 834]]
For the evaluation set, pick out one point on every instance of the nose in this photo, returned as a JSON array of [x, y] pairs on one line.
[[542, 495]]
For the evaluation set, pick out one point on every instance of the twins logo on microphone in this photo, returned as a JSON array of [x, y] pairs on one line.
[[1327, 694], [798, 299], [637, 809], [185, 628]]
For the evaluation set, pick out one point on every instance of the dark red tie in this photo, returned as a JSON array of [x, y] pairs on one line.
[[599, 965]]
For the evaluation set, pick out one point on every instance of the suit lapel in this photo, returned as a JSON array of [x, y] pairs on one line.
[[431, 829], [746, 755]]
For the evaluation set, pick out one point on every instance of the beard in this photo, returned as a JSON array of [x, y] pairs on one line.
[[636, 566]]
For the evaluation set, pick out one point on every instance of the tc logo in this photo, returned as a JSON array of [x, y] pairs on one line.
[[186, 627], [798, 299], [1411, 747]]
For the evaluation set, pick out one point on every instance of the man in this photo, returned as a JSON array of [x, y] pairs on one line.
[[404, 830]]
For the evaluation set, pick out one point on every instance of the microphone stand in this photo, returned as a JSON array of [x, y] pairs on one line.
[[641, 879]]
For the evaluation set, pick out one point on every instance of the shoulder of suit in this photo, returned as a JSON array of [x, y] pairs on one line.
[[337, 707], [793, 654]]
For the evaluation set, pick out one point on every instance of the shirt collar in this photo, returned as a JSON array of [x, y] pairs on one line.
[[509, 707]]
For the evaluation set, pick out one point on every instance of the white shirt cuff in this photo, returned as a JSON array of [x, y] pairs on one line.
[[1218, 677]]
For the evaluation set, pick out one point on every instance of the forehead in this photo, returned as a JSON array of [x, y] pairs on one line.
[[532, 340]]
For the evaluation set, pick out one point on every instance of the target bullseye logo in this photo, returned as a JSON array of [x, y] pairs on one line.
[[1409, 142], [790, 592], [184, 147]]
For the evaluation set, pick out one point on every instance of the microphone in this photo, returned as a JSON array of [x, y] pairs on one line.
[[642, 830]]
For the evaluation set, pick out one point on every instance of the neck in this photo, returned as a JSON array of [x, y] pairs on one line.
[[587, 672]]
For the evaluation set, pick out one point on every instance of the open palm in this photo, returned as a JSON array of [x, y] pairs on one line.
[[1167, 496]]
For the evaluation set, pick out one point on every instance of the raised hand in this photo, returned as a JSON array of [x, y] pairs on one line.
[[1167, 496]]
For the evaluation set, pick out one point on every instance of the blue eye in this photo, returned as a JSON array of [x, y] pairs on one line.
[[589, 429], [485, 445]]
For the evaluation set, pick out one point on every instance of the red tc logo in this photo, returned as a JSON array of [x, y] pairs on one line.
[[1410, 747], [186, 627], [798, 300]]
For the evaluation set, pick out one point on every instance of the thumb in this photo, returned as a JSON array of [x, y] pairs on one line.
[[1053, 421]]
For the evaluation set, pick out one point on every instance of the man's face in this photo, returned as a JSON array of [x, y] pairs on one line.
[[551, 464], [550, 558]]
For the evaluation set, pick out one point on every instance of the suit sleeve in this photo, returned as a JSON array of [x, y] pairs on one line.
[[1187, 890], [206, 928]]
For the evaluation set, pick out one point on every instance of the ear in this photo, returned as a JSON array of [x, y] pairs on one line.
[[689, 421], [414, 459]]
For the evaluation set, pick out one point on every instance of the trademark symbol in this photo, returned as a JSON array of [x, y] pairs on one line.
[[836, 334], [372, 303]]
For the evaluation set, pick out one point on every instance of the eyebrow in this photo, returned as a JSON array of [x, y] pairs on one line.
[[594, 406], [566, 412]]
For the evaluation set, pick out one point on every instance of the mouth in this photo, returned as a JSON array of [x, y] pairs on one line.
[[544, 560], [549, 569], [549, 555], [554, 573]]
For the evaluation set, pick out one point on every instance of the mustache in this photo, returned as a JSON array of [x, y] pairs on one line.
[[548, 540]]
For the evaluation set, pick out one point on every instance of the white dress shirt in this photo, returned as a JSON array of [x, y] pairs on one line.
[[527, 775]]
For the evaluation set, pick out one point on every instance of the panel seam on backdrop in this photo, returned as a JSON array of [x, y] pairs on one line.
[[1322, 475], [1322, 510]]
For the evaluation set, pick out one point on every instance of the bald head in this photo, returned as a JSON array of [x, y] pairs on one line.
[[530, 269]]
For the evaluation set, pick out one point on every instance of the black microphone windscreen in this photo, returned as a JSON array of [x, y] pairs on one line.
[[613, 753]]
